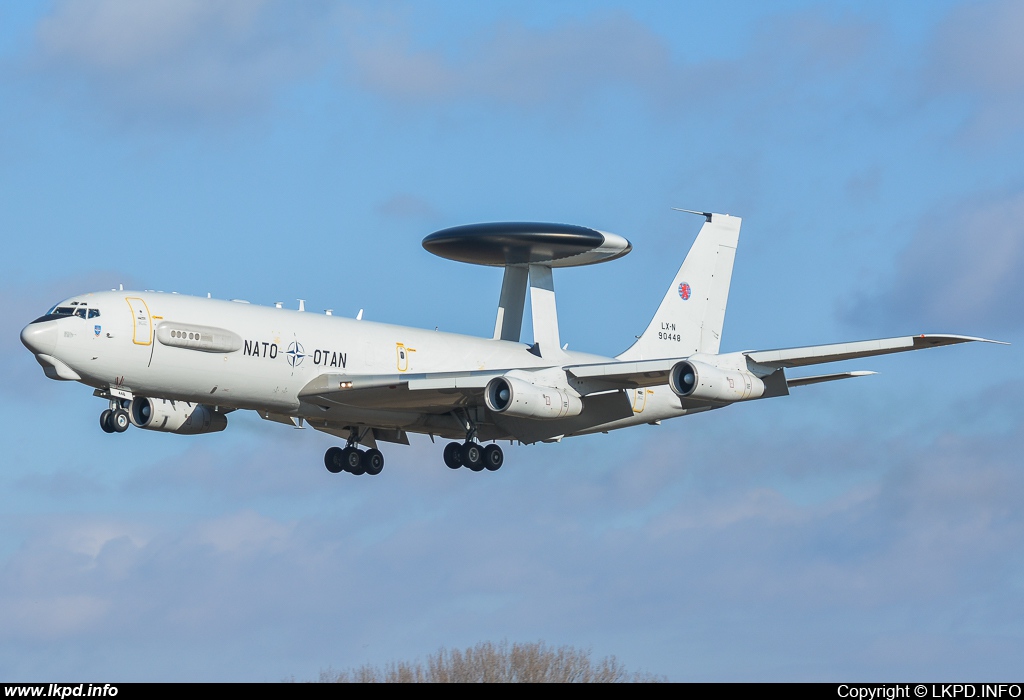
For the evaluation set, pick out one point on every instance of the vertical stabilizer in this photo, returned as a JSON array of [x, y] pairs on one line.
[[692, 313]]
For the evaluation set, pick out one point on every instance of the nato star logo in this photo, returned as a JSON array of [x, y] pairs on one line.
[[295, 354]]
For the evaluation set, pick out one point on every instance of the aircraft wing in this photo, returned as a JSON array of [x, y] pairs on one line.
[[440, 392], [435, 392], [820, 354], [607, 376]]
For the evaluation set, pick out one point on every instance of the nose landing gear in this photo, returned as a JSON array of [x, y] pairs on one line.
[[114, 419]]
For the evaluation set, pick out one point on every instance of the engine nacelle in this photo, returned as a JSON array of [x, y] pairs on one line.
[[515, 397], [697, 380], [178, 417]]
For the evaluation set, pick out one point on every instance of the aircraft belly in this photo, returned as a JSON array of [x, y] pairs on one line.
[[400, 399], [345, 416]]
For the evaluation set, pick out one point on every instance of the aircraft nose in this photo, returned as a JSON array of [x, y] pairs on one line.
[[40, 338]]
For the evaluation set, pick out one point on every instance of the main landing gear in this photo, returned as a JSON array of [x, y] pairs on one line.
[[470, 454], [353, 460]]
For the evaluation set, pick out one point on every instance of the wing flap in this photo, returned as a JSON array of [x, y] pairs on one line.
[[819, 378]]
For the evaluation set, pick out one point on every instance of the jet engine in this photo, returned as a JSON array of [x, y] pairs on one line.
[[178, 417], [521, 399], [690, 379]]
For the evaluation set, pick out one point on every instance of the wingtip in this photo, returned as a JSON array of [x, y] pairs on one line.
[[962, 338]]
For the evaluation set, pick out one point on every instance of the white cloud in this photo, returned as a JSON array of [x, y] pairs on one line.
[[511, 64], [977, 52], [569, 65], [52, 617], [963, 270], [225, 59], [243, 532], [166, 60]]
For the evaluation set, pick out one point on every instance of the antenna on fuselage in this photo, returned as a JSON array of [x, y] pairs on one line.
[[359, 316], [329, 312], [302, 304]]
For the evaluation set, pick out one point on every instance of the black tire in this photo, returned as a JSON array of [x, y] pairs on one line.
[[493, 458], [453, 455], [373, 462], [333, 461], [119, 420], [105, 423], [472, 456], [352, 460]]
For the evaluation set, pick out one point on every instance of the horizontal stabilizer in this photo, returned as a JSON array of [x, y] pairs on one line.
[[819, 378], [820, 354]]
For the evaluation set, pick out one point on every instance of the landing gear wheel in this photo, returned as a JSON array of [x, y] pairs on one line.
[[472, 456], [352, 460], [373, 462], [333, 460], [119, 420], [452, 455], [493, 458], [105, 421]]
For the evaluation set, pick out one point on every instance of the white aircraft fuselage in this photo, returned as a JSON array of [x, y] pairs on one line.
[[132, 345]]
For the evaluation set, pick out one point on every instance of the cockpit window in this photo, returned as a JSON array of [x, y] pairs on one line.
[[73, 309]]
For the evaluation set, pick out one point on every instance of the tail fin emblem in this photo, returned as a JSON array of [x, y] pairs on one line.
[[684, 291]]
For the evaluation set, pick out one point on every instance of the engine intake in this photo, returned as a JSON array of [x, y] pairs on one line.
[[690, 379], [521, 399], [178, 417]]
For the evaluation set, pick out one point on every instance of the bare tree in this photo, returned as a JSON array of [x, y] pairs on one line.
[[497, 663]]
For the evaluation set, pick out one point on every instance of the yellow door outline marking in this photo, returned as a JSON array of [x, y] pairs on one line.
[[135, 325], [402, 356], [640, 399]]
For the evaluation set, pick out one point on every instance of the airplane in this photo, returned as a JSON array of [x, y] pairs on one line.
[[180, 364]]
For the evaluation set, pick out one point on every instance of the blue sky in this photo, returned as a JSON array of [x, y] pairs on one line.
[[859, 530]]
